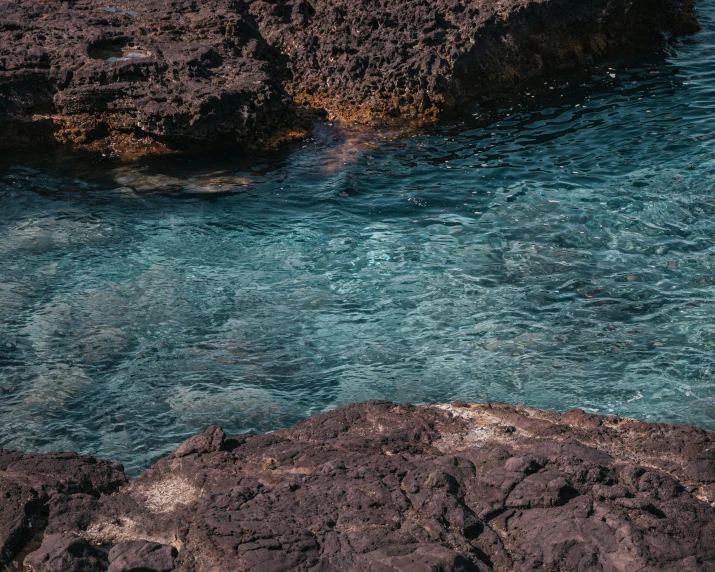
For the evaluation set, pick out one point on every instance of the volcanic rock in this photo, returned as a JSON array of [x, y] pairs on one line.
[[142, 556], [66, 553], [385, 487], [30, 482], [150, 76], [375, 61]]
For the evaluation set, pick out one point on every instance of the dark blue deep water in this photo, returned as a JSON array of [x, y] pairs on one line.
[[554, 248]]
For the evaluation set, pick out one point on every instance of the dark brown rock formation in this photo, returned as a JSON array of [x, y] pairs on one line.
[[152, 75], [149, 75], [378, 60], [382, 487], [66, 552], [142, 555]]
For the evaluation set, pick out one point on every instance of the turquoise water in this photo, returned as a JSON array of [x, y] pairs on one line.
[[555, 249]]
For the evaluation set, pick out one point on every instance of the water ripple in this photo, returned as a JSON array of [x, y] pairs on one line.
[[556, 248]]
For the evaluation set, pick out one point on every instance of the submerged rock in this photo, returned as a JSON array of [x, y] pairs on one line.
[[152, 76], [386, 487]]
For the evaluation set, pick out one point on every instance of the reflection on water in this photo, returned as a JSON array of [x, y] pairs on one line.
[[555, 249], [350, 146]]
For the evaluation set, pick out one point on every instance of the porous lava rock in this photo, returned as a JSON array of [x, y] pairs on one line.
[[379, 60], [149, 76], [66, 553], [386, 487]]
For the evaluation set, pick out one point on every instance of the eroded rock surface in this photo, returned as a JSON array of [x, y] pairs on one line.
[[152, 75], [141, 76], [141, 555], [387, 487], [379, 60], [30, 484], [66, 552]]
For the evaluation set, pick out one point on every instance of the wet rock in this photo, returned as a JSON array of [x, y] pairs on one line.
[[385, 487], [66, 553], [153, 76]]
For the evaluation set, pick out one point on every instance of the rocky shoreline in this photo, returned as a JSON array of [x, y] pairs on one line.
[[151, 76], [380, 487]]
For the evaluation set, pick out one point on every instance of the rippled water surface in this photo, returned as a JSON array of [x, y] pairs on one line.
[[556, 249]]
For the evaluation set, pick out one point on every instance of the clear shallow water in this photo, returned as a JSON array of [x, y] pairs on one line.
[[556, 249]]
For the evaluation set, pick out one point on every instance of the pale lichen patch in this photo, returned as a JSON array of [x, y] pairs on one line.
[[122, 529], [167, 494]]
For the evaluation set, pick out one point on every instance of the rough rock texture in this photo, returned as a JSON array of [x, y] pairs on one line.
[[30, 483], [142, 556], [385, 487], [153, 75], [382, 59], [66, 552], [149, 75]]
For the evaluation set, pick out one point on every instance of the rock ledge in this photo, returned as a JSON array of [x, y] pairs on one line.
[[379, 487], [152, 76]]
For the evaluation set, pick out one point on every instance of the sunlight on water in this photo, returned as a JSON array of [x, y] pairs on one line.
[[555, 249]]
